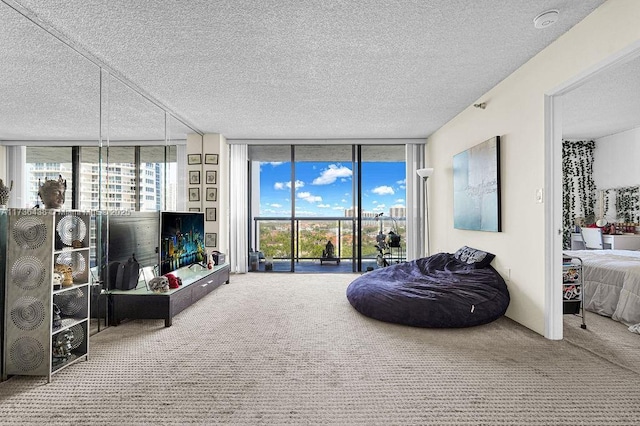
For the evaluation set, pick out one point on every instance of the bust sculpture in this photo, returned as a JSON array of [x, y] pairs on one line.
[[52, 192], [4, 193]]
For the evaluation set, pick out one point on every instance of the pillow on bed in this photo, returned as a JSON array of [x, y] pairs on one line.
[[477, 258]]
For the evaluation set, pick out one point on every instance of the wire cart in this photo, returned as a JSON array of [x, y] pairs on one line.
[[573, 287]]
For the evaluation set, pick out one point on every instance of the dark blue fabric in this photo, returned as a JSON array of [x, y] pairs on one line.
[[436, 291]]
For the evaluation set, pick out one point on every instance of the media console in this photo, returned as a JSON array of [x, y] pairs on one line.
[[141, 303]]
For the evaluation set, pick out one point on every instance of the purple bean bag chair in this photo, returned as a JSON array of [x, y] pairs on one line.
[[440, 291]]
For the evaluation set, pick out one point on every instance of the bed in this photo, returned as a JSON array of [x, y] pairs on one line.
[[440, 291], [611, 283]]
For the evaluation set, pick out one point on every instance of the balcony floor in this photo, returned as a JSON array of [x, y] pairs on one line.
[[309, 266]]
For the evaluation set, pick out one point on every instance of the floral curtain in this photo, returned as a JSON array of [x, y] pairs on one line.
[[578, 187]]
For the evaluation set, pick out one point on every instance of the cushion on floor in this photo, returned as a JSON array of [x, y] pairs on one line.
[[439, 291]]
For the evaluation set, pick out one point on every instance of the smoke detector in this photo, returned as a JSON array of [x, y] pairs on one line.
[[546, 19]]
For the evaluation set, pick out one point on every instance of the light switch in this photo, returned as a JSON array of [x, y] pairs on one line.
[[539, 196]]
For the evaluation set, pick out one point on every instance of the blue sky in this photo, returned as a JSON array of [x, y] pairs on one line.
[[325, 188]]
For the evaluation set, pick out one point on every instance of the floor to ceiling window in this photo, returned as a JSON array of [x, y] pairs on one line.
[[383, 192], [304, 197]]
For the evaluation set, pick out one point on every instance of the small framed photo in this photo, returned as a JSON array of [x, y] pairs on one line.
[[194, 158], [211, 159], [194, 194], [194, 177], [212, 194], [194, 209], [211, 213], [212, 177], [210, 239]]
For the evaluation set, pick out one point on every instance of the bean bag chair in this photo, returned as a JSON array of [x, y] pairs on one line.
[[440, 291]]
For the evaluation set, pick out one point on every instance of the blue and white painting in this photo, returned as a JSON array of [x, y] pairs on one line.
[[476, 187]]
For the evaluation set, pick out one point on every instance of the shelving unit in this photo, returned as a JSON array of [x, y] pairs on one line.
[[46, 319], [573, 287]]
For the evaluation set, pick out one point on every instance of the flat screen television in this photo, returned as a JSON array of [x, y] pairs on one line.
[[181, 240], [134, 233]]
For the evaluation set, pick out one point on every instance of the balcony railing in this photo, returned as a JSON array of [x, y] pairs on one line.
[[272, 236]]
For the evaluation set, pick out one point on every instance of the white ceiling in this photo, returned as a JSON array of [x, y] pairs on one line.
[[272, 69], [606, 104]]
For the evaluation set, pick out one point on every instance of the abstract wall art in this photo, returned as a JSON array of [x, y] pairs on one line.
[[476, 187]]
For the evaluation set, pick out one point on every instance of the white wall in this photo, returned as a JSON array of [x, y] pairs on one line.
[[3, 163], [615, 162], [214, 143], [516, 112]]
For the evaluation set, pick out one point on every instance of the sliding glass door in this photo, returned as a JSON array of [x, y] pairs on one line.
[[312, 211], [383, 200]]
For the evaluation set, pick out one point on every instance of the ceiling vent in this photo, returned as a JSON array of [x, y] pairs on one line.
[[546, 19]]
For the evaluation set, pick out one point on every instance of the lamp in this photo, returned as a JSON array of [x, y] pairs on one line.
[[424, 174]]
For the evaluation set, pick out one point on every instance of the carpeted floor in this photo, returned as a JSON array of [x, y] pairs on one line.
[[288, 349]]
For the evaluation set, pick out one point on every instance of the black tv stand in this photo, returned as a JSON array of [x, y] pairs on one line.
[[142, 303]]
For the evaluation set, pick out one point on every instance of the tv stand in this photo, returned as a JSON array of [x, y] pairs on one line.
[[141, 303]]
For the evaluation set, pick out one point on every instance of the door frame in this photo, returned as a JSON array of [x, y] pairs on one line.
[[553, 105]]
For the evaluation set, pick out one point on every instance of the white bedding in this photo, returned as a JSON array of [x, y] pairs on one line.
[[611, 283]]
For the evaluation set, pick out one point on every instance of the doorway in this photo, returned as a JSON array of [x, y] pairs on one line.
[[564, 110]]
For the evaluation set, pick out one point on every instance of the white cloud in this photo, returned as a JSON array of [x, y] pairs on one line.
[[401, 182], [324, 206], [338, 208], [332, 173], [276, 163], [383, 190], [309, 198], [283, 185], [275, 205], [305, 212], [400, 200]]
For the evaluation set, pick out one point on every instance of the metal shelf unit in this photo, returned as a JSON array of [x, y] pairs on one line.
[[573, 287], [46, 318]]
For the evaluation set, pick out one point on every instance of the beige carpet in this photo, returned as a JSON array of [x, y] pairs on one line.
[[288, 349]]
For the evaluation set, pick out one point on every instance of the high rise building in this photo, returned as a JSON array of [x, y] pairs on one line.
[[118, 187], [398, 212]]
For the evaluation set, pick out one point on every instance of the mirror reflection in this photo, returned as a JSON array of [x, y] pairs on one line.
[[62, 116]]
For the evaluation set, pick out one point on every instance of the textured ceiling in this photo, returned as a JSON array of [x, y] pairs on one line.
[[607, 103], [281, 69]]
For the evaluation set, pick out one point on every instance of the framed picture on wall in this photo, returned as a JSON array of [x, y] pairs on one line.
[[210, 239], [211, 214], [194, 159], [194, 194], [476, 187], [194, 209], [212, 194], [194, 177], [211, 159], [212, 177]]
